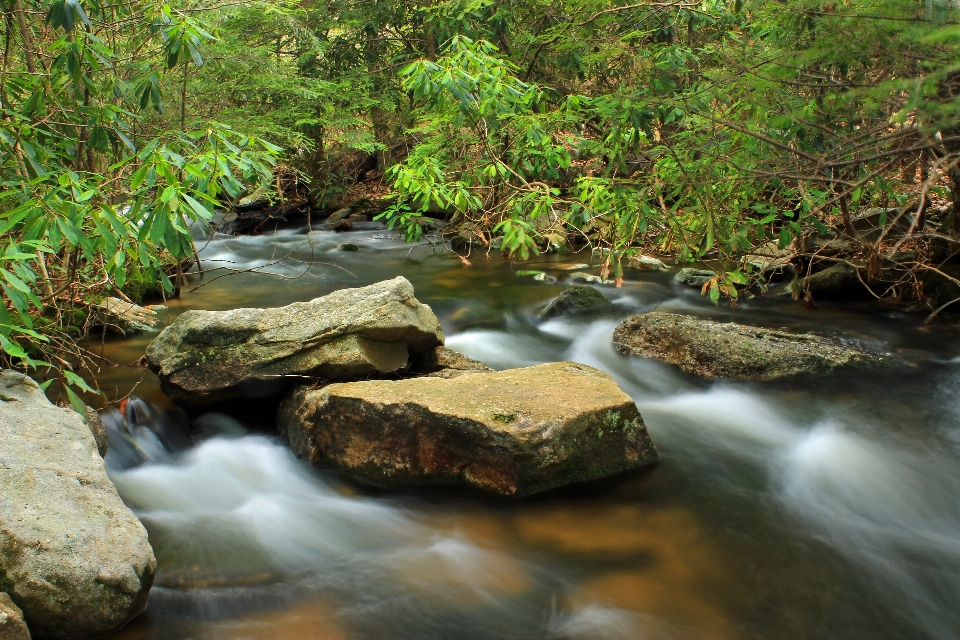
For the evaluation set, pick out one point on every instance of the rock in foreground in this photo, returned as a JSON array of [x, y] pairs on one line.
[[727, 350], [73, 556], [512, 433], [211, 356]]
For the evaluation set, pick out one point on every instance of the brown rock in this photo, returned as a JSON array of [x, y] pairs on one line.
[[12, 626], [512, 433]]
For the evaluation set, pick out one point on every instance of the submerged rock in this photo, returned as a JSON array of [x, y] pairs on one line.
[[512, 433], [114, 314], [211, 356], [74, 558], [727, 350], [12, 626], [576, 300]]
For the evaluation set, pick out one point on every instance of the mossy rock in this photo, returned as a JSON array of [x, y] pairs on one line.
[[727, 350], [576, 300]]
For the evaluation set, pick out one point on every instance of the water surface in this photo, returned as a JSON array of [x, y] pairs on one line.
[[825, 507]]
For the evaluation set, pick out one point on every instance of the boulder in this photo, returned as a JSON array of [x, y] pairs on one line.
[[339, 214], [73, 557], [12, 626], [211, 356], [837, 282], [576, 300], [511, 433], [114, 314], [694, 277], [727, 350], [647, 263], [445, 363]]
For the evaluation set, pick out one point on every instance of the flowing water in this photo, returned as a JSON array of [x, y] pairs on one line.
[[814, 508]]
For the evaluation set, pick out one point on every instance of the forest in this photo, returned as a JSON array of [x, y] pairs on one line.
[[757, 135], [479, 319]]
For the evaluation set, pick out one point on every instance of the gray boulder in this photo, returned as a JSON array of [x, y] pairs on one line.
[[511, 433], [727, 350], [576, 300], [114, 314], [211, 356], [12, 626], [73, 557]]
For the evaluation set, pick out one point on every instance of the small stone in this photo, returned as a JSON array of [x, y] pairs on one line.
[[114, 314], [694, 277], [576, 300], [647, 263], [349, 247]]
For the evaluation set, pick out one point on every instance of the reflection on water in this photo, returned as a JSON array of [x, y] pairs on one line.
[[814, 508]]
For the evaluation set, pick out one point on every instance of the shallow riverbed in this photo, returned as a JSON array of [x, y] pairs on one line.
[[821, 508]]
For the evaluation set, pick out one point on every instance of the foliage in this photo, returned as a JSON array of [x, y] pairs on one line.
[[101, 181]]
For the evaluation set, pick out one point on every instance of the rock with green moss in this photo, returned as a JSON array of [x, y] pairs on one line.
[[510, 433], [12, 625], [576, 300], [73, 557], [727, 350], [212, 356]]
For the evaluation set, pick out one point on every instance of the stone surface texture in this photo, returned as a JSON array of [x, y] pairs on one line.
[[73, 557], [12, 625], [576, 300], [727, 350], [114, 314], [511, 433], [211, 356]]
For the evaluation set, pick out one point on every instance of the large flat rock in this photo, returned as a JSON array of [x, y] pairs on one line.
[[512, 433], [73, 557], [727, 350], [211, 356]]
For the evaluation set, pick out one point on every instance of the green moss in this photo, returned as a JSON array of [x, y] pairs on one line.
[[505, 418]]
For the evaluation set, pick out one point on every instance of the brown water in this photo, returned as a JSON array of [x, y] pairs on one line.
[[819, 508]]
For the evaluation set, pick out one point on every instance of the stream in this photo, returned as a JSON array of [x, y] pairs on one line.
[[813, 508]]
